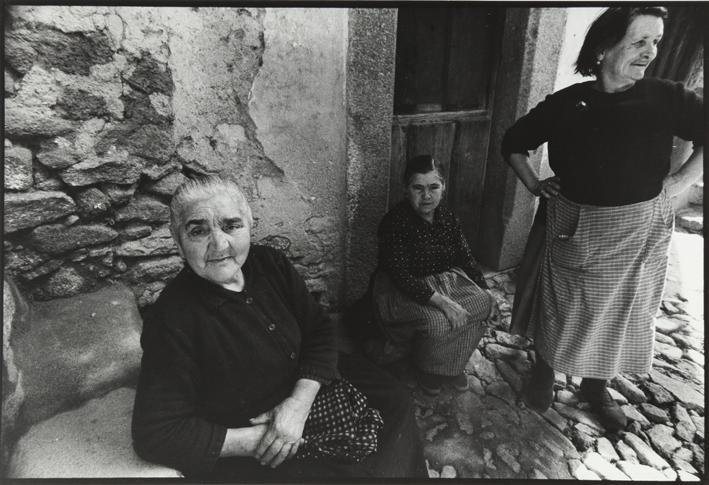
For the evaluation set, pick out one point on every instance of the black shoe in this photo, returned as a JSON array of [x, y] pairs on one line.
[[430, 384], [609, 414], [539, 392]]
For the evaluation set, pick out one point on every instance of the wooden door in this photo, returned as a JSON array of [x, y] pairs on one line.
[[445, 73]]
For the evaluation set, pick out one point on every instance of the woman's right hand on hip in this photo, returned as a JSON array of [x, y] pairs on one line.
[[547, 188]]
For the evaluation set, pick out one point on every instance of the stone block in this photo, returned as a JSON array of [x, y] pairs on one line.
[[645, 453], [21, 259], [631, 412], [31, 209], [41, 270], [603, 468], [147, 141], [58, 157], [65, 282], [578, 416], [658, 394], [57, 238], [155, 268], [668, 325], [78, 348], [115, 167], [118, 194], [93, 441], [684, 393], [27, 121], [640, 472], [167, 185], [669, 352], [628, 389], [78, 104], [135, 230], [72, 53], [158, 243], [149, 76], [663, 441], [654, 414], [92, 202], [18, 168], [606, 450], [143, 208]]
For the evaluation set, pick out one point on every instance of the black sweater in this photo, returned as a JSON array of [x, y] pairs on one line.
[[213, 358], [610, 148]]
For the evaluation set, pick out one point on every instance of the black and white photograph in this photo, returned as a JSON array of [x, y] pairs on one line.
[[353, 242]]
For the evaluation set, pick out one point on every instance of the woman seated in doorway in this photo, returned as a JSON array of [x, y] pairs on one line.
[[428, 291], [240, 376]]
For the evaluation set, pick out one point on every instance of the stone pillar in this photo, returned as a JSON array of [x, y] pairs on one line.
[[528, 66], [370, 101]]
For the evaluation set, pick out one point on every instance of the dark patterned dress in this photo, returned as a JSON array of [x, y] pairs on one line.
[[417, 258]]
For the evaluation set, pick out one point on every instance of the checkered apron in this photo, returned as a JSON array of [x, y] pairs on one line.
[[437, 347], [601, 284]]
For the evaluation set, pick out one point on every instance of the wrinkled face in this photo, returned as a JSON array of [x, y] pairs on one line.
[[424, 193], [625, 62], [214, 238]]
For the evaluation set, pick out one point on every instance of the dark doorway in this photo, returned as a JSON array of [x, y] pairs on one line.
[[446, 59]]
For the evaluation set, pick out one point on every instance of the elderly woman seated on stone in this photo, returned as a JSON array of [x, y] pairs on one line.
[[240, 376]]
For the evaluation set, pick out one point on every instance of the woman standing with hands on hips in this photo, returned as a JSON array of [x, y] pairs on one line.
[[607, 213]]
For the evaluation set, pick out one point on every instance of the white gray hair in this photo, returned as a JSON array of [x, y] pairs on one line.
[[201, 187]]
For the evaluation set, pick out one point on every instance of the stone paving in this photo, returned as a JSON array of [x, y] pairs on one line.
[[487, 432]]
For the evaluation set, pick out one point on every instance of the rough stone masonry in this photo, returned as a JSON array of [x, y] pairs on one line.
[[106, 110]]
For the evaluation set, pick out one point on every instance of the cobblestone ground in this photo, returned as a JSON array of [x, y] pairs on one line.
[[486, 432]]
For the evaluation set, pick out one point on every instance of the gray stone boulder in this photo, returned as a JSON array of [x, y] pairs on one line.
[[92, 441], [92, 202], [31, 209], [77, 348], [57, 238], [155, 268], [158, 243], [143, 208], [18, 168], [168, 184], [67, 281], [114, 167], [684, 393], [23, 120], [58, 155]]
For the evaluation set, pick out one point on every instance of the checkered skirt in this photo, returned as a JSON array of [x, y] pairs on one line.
[[602, 280], [437, 347]]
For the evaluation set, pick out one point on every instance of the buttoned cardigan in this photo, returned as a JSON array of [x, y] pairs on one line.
[[213, 358]]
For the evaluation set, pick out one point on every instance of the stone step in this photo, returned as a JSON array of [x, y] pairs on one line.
[[695, 193], [691, 218]]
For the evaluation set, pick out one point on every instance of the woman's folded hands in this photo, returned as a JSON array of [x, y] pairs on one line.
[[285, 423], [454, 312]]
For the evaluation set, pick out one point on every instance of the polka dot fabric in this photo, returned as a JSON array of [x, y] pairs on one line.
[[341, 425]]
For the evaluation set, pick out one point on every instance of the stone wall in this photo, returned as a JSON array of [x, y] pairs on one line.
[[108, 108]]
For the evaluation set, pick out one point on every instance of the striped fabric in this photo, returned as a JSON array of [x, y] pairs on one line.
[[601, 284], [437, 347]]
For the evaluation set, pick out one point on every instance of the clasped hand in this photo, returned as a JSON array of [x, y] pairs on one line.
[[282, 438], [456, 314]]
